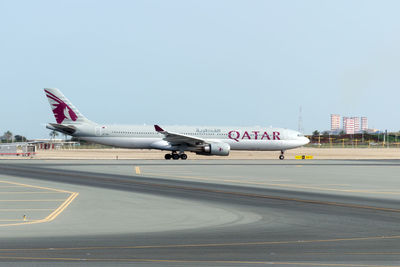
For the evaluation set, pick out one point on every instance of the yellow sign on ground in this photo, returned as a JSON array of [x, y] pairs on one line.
[[303, 157]]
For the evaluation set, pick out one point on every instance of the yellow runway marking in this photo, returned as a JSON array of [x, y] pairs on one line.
[[35, 186], [210, 177], [28, 192], [137, 170], [31, 200], [353, 253], [25, 209], [280, 185], [194, 261], [338, 204], [171, 172], [51, 216], [300, 242], [11, 220]]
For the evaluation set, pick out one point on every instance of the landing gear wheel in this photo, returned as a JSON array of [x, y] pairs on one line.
[[175, 156], [183, 156], [167, 156], [281, 157]]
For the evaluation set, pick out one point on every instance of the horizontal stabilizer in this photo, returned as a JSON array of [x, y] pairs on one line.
[[65, 129]]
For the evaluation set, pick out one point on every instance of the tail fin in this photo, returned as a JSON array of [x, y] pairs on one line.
[[64, 111]]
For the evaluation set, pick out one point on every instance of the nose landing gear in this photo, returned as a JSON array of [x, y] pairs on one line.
[[282, 156]]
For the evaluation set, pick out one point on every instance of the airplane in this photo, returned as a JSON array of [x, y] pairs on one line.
[[202, 140]]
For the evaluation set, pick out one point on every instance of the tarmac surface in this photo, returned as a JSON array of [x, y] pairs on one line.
[[199, 213]]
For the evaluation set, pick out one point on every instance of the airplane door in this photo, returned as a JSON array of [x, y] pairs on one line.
[[100, 131]]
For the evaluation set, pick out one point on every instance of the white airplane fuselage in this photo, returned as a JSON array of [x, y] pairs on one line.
[[239, 138]]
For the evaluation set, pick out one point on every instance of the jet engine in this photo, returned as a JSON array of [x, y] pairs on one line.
[[218, 149]]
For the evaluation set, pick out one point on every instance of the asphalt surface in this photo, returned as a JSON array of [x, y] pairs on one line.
[[265, 213]]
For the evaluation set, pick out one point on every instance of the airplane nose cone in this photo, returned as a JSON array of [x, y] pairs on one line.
[[306, 140]]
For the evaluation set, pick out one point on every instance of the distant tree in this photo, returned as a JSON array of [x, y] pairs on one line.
[[19, 138], [315, 133], [365, 135], [325, 133], [8, 135], [342, 132]]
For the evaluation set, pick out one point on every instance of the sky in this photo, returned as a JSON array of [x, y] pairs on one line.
[[214, 63]]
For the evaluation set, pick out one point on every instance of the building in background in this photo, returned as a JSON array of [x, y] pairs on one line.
[[357, 126], [344, 123], [364, 124], [335, 122], [50, 144], [348, 125]]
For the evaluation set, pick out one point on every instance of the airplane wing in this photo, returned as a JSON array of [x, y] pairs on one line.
[[179, 139]]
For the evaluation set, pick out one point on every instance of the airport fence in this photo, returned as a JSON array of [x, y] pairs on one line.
[[355, 141]]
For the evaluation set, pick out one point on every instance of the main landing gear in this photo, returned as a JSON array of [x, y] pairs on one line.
[[175, 156], [282, 156]]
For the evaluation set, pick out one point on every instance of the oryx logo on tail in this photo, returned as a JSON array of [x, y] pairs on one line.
[[60, 109]]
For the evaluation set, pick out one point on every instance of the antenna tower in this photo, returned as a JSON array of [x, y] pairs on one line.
[[300, 126]]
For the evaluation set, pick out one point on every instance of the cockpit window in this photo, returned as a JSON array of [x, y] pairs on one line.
[[300, 135]]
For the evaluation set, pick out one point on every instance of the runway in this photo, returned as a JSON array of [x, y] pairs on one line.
[[203, 213]]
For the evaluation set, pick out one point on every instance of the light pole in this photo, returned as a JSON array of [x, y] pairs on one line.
[[387, 138]]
